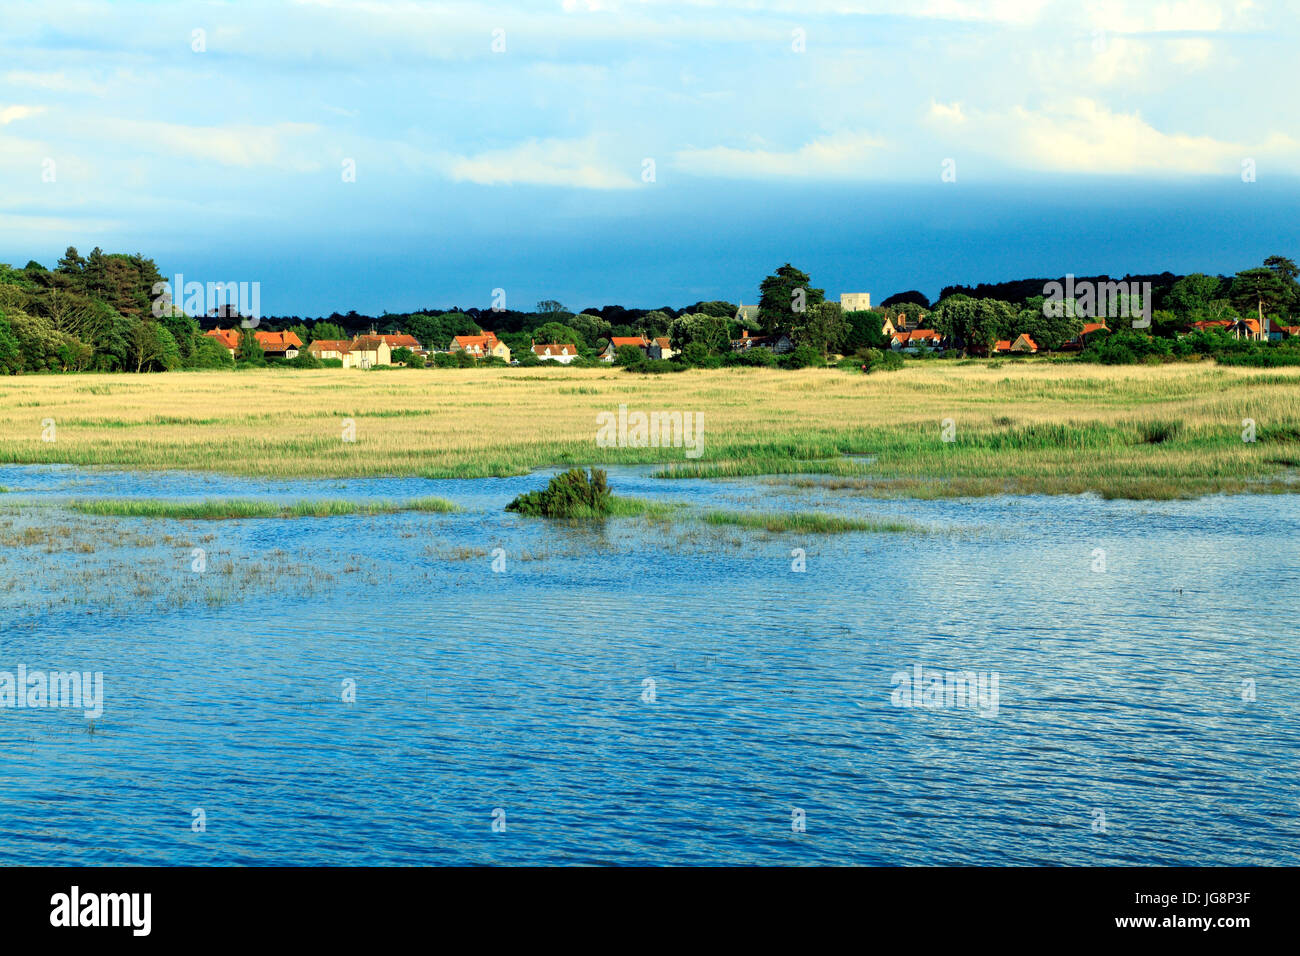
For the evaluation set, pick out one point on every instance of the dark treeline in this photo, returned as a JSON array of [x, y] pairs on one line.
[[1022, 290]]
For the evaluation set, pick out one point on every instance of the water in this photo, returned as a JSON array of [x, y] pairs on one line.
[[1124, 692]]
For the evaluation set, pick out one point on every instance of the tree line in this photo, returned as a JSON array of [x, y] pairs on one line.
[[96, 313]]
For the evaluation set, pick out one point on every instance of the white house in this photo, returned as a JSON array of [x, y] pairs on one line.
[[563, 354]]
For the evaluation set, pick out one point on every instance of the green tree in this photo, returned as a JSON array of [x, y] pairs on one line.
[[328, 331], [590, 327], [712, 332], [557, 333], [783, 295], [715, 307], [185, 331], [865, 330], [822, 327], [1192, 294], [11, 359], [72, 263], [209, 353], [250, 350], [1048, 330], [1260, 290], [153, 348], [974, 322], [38, 341], [629, 356]]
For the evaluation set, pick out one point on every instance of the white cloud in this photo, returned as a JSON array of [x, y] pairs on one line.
[[10, 113], [279, 145], [56, 82], [1083, 136], [836, 156], [576, 163], [1194, 52], [948, 112], [1144, 16]]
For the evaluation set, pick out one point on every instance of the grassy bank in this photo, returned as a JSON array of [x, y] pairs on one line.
[[806, 522], [229, 509], [1025, 427]]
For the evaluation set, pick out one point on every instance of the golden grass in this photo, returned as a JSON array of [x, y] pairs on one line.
[[1027, 426]]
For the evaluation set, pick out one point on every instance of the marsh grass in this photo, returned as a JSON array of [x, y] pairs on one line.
[[807, 522], [1028, 427], [234, 509]]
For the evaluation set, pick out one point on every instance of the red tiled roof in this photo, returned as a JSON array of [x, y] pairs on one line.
[[400, 340], [554, 349], [1091, 327], [278, 341], [227, 337], [473, 343], [917, 335], [330, 345], [619, 341]]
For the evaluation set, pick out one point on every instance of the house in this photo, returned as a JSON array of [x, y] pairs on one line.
[[279, 344], [914, 340], [370, 350], [1021, 343], [400, 340], [563, 354], [480, 346], [227, 337], [1210, 325], [660, 348], [779, 343], [900, 323], [855, 301], [1274, 332], [331, 349], [1247, 328], [618, 341], [364, 351], [1079, 341]]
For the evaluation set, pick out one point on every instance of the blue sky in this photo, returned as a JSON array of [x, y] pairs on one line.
[[1085, 136]]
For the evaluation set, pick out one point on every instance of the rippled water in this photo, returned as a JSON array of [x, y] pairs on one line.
[[1124, 692]]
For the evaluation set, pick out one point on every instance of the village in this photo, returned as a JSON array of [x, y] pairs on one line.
[[905, 334]]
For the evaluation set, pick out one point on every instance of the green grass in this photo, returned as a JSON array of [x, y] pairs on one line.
[[228, 509], [807, 522]]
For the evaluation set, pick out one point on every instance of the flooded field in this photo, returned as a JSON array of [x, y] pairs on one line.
[[477, 687]]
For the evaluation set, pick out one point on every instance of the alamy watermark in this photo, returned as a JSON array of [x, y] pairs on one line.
[[242, 299], [77, 690], [1094, 300], [928, 687], [651, 430]]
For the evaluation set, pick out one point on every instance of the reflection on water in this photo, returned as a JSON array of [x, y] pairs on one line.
[[1124, 694]]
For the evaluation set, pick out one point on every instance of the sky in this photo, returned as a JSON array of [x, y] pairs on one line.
[[389, 155]]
